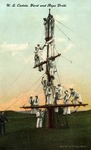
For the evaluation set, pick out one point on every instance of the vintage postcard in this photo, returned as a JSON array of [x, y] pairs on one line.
[[45, 67]]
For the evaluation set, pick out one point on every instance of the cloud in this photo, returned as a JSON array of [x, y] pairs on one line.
[[28, 60], [63, 18], [13, 47], [60, 40], [69, 47], [16, 51]]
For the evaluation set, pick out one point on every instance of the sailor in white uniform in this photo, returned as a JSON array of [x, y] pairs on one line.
[[59, 91], [31, 101], [36, 100], [39, 115], [49, 95], [38, 57], [76, 97], [66, 110]]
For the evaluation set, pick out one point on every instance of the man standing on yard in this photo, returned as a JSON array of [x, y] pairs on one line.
[[31, 101], [3, 121], [36, 100], [66, 110]]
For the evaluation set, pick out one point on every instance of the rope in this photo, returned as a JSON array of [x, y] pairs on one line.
[[13, 103], [63, 33], [58, 74], [69, 39], [66, 59], [37, 88], [33, 86], [9, 89], [74, 63], [20, 97], [72, 30], [64, 25]]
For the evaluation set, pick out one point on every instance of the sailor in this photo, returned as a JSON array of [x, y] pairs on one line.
[[40, 53], [56, 109], [3, 121], [59, 91], [31, 101], [44, 83], [39, 115], [55, 95], [66, 110], [76, 96], [52, 69], [36, 100], [37, 58], [49, 94]]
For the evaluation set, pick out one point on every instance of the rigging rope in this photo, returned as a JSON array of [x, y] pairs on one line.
[[71, 60], [69, 39], [9, 89], [33, 86], [63, 33], [64, 25], [75, 64], [13, 103], [21, 97], [58, 74], [71, 29]]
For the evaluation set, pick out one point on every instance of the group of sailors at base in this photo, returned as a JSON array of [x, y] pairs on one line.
[[55, 93], [51, 92], [69, 96]]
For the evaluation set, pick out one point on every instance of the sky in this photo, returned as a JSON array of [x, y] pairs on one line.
[[21, 29]]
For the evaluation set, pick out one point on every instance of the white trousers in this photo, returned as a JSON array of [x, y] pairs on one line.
[[39, 123], [49, 101]]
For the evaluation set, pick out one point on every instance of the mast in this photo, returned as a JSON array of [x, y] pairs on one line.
[[49, 33], [49, 30], [49, 24]]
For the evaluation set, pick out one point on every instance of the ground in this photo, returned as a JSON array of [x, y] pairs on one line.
[[21, 133]]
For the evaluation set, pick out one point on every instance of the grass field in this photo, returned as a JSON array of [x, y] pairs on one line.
[[21, 133]]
